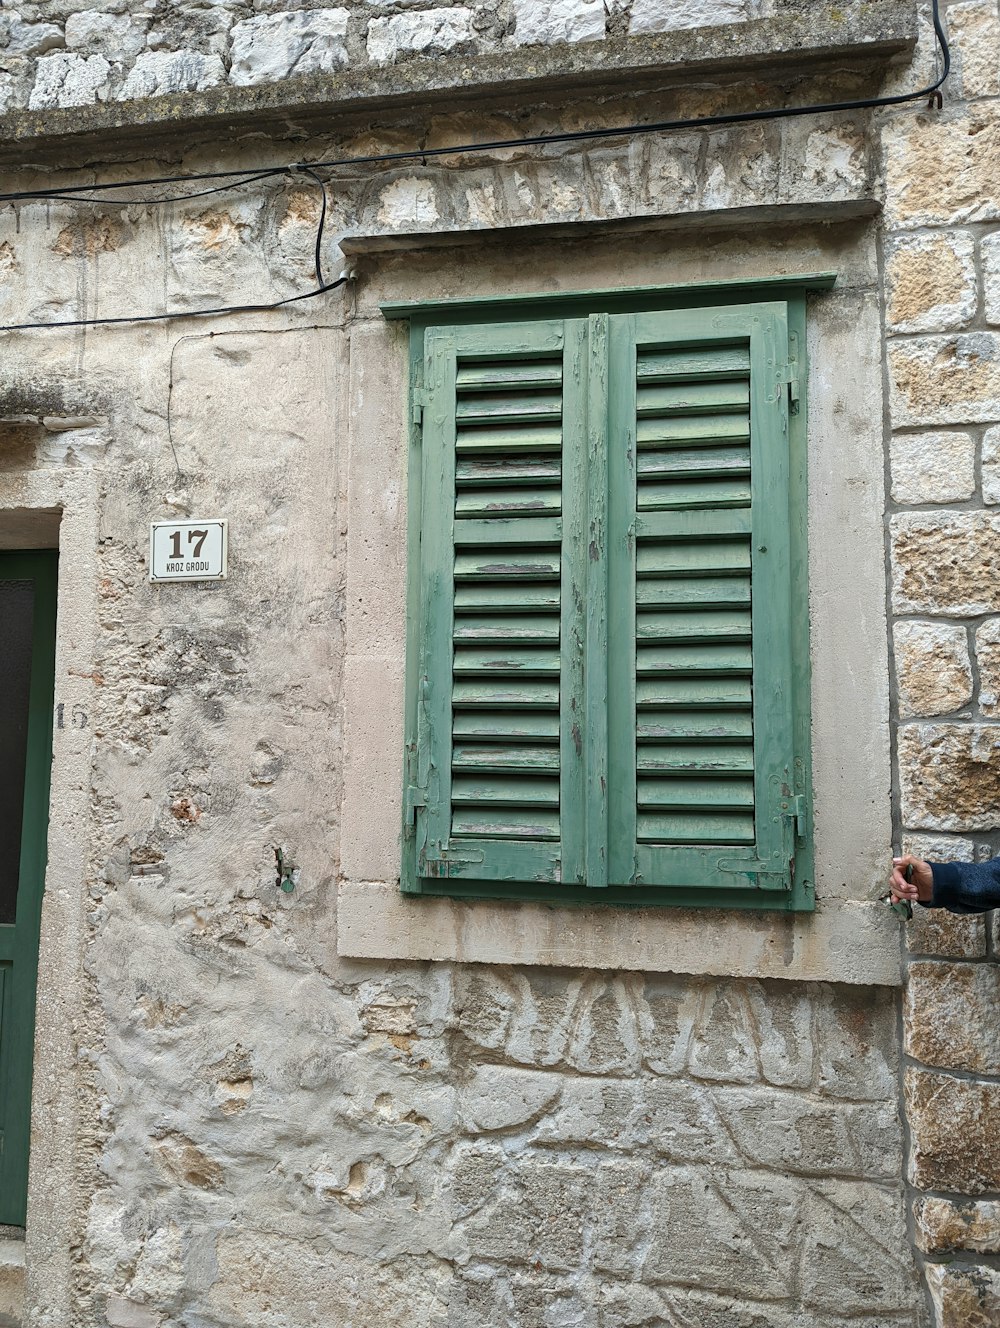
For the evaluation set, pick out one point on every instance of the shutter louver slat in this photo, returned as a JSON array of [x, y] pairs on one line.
[[505, 762], [694, 738]]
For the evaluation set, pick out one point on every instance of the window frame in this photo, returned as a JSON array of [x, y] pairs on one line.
[[422, 317]]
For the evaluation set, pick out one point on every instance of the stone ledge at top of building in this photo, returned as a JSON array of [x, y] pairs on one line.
[[816, 33]]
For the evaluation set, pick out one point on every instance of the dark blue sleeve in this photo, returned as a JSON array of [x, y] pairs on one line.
[[966, 887]]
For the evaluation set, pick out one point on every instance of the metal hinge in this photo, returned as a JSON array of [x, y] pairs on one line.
[[419, 400], [414, 800], [792, 372], [794, 810]]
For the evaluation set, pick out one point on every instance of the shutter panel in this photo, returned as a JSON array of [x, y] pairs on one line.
[[502, 524], [704, 728]]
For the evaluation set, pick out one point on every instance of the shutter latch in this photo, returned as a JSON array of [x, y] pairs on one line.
[[767, 875], [439, 862]]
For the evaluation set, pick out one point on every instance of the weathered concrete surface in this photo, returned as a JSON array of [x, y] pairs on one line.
[[846, 943]]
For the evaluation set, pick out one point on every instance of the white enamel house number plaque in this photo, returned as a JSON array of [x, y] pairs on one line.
[[189, 550]]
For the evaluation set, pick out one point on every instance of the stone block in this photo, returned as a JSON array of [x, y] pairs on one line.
[[123, 1312], [946, 563], [11, 1280], [932, 467], [18, 38], [163, 73], [620, 1212], [535, 1215], [950, 776], [933, 669], [501, 1097], [782, 1014], [945, 380], [954, 1132], [950, 1016], [855, 1257], [857, 1050], [945, 176], [684, 1124], [943, 1226], [991, 465], [707, 1228], [91, 31], [723, 1043], [261, 1282], [426, 32], [792, 1133], [545, 21], [965, 1295], [988, 661], [974, 34], [605, 1112], [67, 79], [673, 15], [989, 249], [274, 46], [931, 283], [935, 931], [946, 935], [625, 1305]]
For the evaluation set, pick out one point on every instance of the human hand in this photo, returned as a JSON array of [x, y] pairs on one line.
[[920, 886]]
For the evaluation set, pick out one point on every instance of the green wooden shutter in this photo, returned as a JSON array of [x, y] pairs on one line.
[[498, 771], [703, 772]]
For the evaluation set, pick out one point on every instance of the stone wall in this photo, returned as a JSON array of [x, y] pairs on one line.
[[66, 53], [943, 349], [234, 1123]]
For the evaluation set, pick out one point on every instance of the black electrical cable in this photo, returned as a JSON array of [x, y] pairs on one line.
[[68, 197], [309, 169], [321, 288], [322, 222], [179, 313], [538, 140]]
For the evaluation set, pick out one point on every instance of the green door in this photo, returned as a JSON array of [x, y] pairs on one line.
[[27, 661]]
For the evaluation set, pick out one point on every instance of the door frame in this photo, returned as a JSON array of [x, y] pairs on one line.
[[17, 1015]]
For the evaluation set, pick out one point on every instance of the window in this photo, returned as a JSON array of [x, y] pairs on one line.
[[608, 655]]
